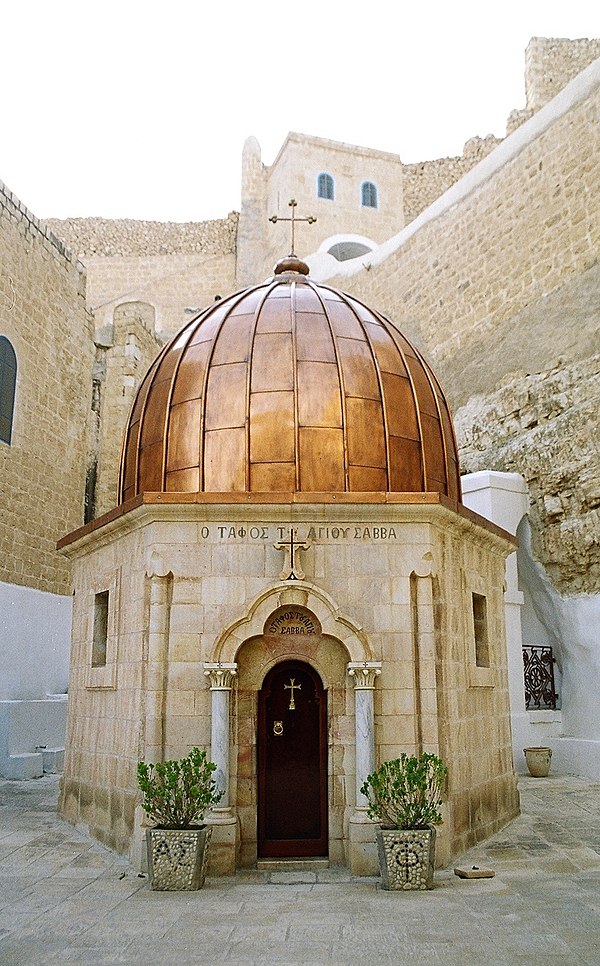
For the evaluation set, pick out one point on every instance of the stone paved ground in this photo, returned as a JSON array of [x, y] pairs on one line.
[[64, 899]]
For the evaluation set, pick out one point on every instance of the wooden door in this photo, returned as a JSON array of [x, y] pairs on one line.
[[292, 763]]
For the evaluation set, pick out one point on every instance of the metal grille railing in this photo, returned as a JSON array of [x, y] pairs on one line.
[[538, 666]]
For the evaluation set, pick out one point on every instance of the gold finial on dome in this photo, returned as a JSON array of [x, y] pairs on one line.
[[292, 263]]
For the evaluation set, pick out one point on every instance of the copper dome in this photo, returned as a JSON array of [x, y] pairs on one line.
[[289, 386]]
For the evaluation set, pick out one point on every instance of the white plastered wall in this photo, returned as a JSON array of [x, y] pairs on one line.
[[35, 635], [537, 614]]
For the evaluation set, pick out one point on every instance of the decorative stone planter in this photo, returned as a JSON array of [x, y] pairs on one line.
[[538, 761], [177, 858], [406, 858]]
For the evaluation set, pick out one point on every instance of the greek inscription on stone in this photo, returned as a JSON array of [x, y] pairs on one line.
[[292, 622], [317, 534], [351, 533]]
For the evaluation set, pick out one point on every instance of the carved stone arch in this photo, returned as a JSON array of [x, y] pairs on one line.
[[334, 624]]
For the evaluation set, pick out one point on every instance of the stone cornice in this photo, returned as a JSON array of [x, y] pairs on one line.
[[296, 508]]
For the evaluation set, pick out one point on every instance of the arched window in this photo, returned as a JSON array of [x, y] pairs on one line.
[[325, 186], [345, 250], [8, 380], [368, 193]]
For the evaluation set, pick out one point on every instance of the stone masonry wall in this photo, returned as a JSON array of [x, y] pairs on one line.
[[503, 279], [126, 236], [551, 62], [427, 180], [42, 472], [172, 284], [125, 351], [169, 265]]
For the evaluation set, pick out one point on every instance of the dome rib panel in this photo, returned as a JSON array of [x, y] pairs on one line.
[[289, 386], [250, 464], [341, 383], [296, 402], [382, 395], [392, 332]]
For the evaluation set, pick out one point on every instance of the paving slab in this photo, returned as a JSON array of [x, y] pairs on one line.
[[66, 899]]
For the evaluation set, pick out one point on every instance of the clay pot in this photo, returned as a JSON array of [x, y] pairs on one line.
[[538, 761]]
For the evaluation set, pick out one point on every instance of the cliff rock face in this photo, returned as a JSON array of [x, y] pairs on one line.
[[545, 426]]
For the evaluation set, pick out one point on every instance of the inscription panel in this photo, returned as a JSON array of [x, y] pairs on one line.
[[292, 621], [265, 533]]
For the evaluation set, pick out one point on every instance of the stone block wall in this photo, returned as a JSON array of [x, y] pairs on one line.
[[551, 62], [190, 583], [43, 314], [172, 266], [105, 237], [498, 279], [267, 190], [427, 180], [124, 352], [111, 706]]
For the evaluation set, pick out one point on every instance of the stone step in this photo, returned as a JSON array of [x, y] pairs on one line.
[[292, 865]]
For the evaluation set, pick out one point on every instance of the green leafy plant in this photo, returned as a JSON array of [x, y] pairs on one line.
[[405, 792], [176, 793]]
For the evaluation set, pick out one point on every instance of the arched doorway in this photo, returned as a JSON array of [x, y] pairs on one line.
[[292, 763]]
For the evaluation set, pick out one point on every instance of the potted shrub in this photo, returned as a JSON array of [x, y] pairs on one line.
[[404, 795], [176, 794]]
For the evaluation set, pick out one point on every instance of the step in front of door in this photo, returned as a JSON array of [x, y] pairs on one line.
[[292, 865]]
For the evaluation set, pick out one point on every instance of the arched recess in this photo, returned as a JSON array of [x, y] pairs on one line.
[[248, 643], [334, 624]]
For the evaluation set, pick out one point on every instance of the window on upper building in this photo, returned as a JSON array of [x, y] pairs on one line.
[[325, 186], [368, 194], [8, 381]]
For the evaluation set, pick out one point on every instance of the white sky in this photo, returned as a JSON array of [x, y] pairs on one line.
[[140, 109]]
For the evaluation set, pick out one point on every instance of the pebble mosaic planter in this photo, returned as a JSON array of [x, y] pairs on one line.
[[177, 858], [406, 858]]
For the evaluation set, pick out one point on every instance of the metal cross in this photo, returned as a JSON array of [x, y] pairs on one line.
[[294, 570], [292, 686], [293, 205]]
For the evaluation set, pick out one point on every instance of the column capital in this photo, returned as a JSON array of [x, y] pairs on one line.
[[220, 675], [364, 674]]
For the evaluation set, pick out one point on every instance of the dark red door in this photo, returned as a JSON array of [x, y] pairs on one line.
[[292, 763]]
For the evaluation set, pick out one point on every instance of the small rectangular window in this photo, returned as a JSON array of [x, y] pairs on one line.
[[100, 629], [482, 646]]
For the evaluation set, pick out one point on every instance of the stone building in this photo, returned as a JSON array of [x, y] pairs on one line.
[[46, 357], [488, 263], [289, 425]]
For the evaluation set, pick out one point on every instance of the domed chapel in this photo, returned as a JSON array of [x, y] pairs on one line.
[[289, 580]]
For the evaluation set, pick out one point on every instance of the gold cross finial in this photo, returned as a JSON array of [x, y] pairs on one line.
[[293, 205]]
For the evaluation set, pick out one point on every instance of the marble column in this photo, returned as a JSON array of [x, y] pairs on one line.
[[220, 677], [364, 675]]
